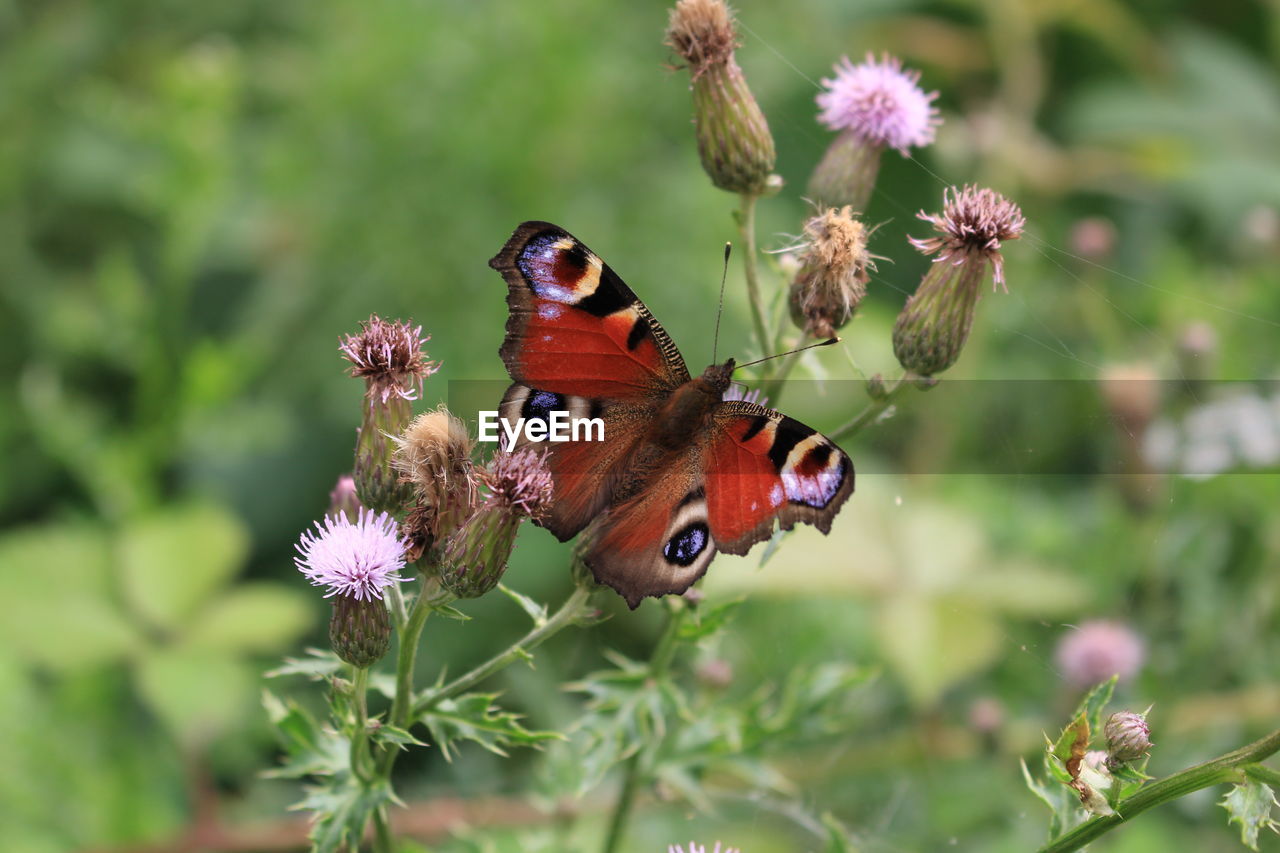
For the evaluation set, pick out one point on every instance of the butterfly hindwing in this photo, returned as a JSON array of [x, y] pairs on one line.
[[657, 542], [575, 328], [761, 465]]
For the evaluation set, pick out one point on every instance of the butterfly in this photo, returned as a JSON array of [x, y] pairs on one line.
[[681, 472]]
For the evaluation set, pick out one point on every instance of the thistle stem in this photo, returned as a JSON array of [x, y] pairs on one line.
[[383, 840], [869, 415], [406, 657], [747, 231], [772, 389], [1232, 767], [572, 609], [360, 737], [639, 764]]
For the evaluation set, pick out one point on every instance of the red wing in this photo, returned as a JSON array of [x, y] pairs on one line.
[[761, 465], [575, 328], [657, 542], [584, 472]]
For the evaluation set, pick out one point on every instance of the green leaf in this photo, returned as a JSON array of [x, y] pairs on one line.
[[198, 693], [173, 562], [475, 717], [253, 617], [706, 621], [75, 625], [537, 612], [775, 542], [1249, 804], [318, 665], [393, 735], [342, 809], [1095, 701], [311, 749]]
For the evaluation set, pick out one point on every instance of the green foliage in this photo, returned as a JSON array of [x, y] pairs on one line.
[[1249, 803], [476, 717]]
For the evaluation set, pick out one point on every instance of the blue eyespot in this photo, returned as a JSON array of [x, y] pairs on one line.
[[685, 546]]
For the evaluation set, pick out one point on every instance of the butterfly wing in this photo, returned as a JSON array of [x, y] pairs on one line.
[[575, 328], [763, 466], [755, 467], [579, 340], [659, 541]]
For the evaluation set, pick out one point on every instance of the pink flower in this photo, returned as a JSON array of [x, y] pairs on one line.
[[353, 560], [699, 848], [738, 391], [880, 102], [1097, 650], [972, 225]]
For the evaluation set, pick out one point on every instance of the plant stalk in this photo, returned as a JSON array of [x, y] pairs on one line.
[[747, 231], [1227, 768]]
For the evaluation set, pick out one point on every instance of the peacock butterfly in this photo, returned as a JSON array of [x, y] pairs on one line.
[[682, 472]]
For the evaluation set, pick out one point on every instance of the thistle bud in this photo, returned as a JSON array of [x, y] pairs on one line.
[[360, 630], [734, 142], [475, 556], [343, 500], [389, 357], [832, 279], [934, 324], [1128, 737], [434, 456], [873, 106]]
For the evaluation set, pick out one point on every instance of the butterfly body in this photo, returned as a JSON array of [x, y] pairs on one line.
[[681, 473]]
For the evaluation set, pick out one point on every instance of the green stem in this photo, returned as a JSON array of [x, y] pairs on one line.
[[869, 415], [772, 389], [638, 765], [406, 657], [360, 737], [383, 840], [572, 609], [747, 230], [1227, 768]]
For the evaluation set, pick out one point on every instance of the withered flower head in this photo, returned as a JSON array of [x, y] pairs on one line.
[[389, 357], [734, 142], [972, 225], [702, 32], [434, 455], [832, 279], [475, 556]]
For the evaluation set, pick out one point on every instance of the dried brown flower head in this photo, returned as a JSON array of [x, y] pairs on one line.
[[434, 455], [389, 357], [832, 279], [702, 32], [973, 224]]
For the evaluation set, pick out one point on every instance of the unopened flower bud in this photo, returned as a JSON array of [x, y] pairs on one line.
[[832, 279], [389, 357], [1128, 737], [433, 455], [360, 630], [934, 324], [475, 556], [343, 500], [874, 105], [734, 141], [876, 389]]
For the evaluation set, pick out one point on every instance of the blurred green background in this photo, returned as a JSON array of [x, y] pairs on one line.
[[198, 199]]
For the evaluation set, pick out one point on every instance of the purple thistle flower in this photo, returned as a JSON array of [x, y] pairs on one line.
[[521, 482], [881, 103], [701, 848], [971, 226], [738, 391], [1097, 650], [353, 560]]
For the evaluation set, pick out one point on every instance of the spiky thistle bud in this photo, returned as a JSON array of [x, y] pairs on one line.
[[343, 499], [355, 562], [434, 456], [832, 278], [475, 556], [389, 357], [1128, 737], [734, 141], [934, 324], [874, 106]]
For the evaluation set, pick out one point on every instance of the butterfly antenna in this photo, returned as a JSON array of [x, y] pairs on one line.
[[715, 341], [825, 343]]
